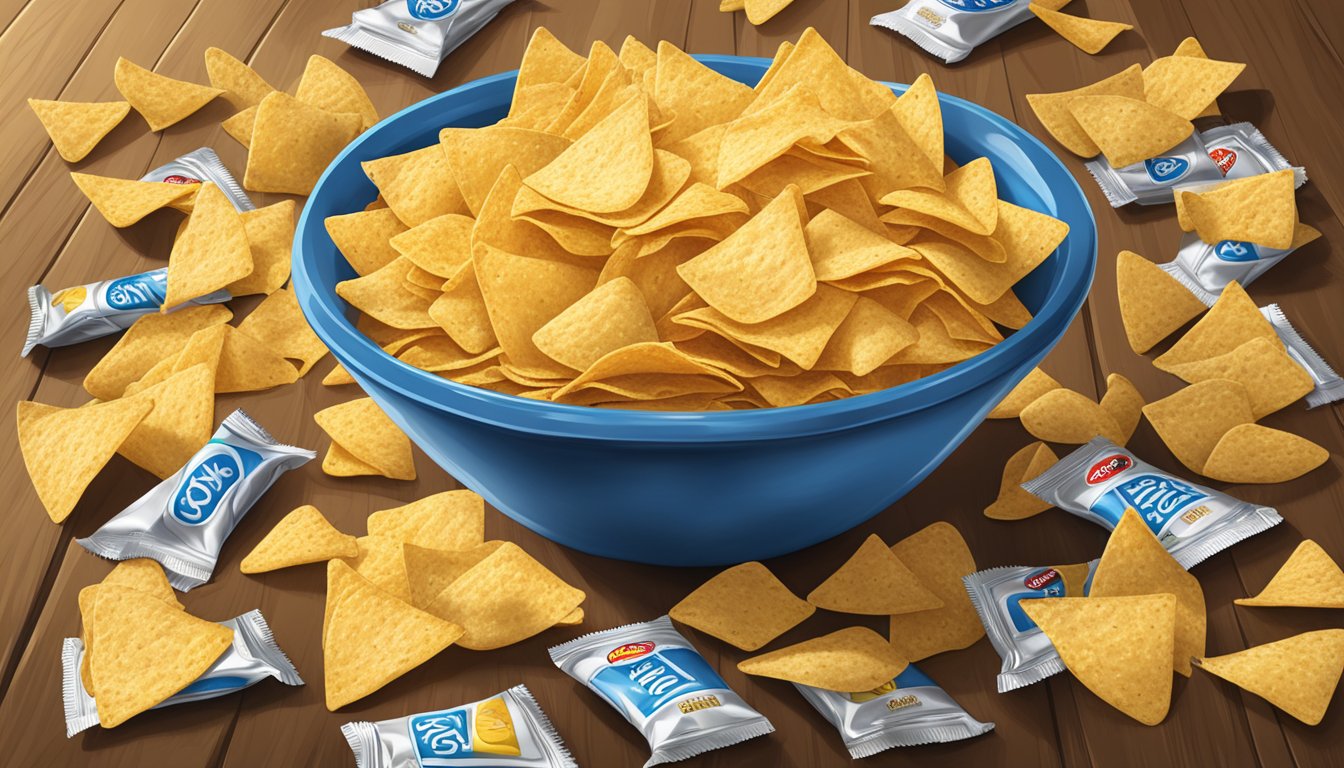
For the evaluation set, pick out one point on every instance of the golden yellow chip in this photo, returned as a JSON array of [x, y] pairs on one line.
[[852, 659], [612, 316], [870, 335], [417, 185], [1232, 321], [292, 144], [1186, 84], [939, 554], [1193, 420], [451, 520], [1088, 35], [431, 570], [696, 94], [1015, 503], [328, 87], [461, 312], [240, 125], [1128, 130], [1064, 416], [146, 650], [744, 606], [388, 297], [646, 371], [65, 448], [124, 202], [362, 429], [303, 536], [589, 176], [546, 60], [382, 561], [212, 252], [139, 573], [160, 99], [969, 202], [1272, 379], [76, 127], [270, 233], [1028, 238], [149, 340], [1298, 674], [841, 248], [1124, 403], [338, 376], [356, 661], [669, 175], [819, 70], [1052, 109], [241, 84], [180, 424], [364, 238], [1031, 387], [874, 581], [476, 156], [1136, 563], [752, 141], [798, 389], [1118, 647], [1310, 578], [1259, 209], [761, 11], [523, 294], [1191, 47], [1152, 303], [278, 323], [1251, 453], [504, 599]]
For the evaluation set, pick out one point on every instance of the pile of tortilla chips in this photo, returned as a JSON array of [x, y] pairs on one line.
[[916, 582], [140, 645], [364, 441], [1139, 112], [793, 243], [422, 579]]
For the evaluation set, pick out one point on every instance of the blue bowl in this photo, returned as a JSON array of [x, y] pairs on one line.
[[694, 488]]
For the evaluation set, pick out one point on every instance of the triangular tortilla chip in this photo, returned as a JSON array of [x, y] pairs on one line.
[[417, 185], [76, 127], [241, 84], [1310, 578], [1258, 209], [745, 606], [139, 573], [362, 429], [1191, 421], [873, 581], [292, 144], [1119, 647], [939, 556], [1013, 502], [1297, 674], [382, 561], [852, 659], [358, 661], [278, 323], [241, 125], [1191, 47], [212, 252], [612, 316], [1136, 563], [1253, 453], [180, 424], [1273, 379], [1064, 416], [1232, 321], [161, 100], [303, 536], [452, 520], [149, 340], [270, 233], [1089, 35], [546, 60], [123, 202], [146, 650], [328, 87], [1185, 84], [1152, 303], [1124, 403], [248, 365], [1128, 130], [65, 448], [430, 571], [1052, 109], [1031, 387], [588, 175]]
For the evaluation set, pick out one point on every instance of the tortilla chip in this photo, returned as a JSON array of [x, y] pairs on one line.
[[270, 232], [124, 202], [1013, 502], [588, 175], [1088, 35], [452, 520], [417, 186], [382, 561], [431, 570], [744, 606], [546, 60], [1124, 403], [1310, 578], [1064, 416], [851, 659], [76, 127], [696, 94], [364, 238], [1052, 109], [1128, 130], [212, 252], [1273, 379], [1193, 420], [1232, 321], [939, 555], [240, 125], [1259, 209], [1152, 303], [512, 289], [612, 316], [874, 581], [1031, 387], [160, 99], [1186, 84], [1251, 453], [150, 339], [241, 84], [362, 429], [1191, 47], [292, 144], [180, 424], [302, 536], [1298, 674], [328, 87]]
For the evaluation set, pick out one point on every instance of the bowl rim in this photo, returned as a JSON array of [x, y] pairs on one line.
[[371, 366]]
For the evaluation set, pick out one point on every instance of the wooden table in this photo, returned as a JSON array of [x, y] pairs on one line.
[[1293, 90]]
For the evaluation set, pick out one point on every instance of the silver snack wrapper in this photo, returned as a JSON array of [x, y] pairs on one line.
[[253, 657], [1028, 656], [452, 737], [183, 521], [908, 711], [1100, 480], [107, 307], [1205, 269], [663, 686], [417, 34], [203, 166], [1329, 386], [950, 29], [1234, 151]]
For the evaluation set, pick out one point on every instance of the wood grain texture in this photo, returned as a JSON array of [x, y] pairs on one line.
[[1293, 89]]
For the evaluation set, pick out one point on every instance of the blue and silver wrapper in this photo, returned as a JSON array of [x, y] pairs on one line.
[[200, 167], [417, 34], [1100, 480], [908, 711], [183, 521], [253, 657], [1233, 151], [1329, 386], [507, 730], [1205, 269], [950, 29], [99, 309], [997, 593], [664, 687]]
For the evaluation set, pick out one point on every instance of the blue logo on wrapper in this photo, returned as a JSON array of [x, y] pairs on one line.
[[143, 291], [209, 479], [975, 6], [431, 10], [656, 678], [1165, 170], [1236, 250], [439, 735], [1156, 498]]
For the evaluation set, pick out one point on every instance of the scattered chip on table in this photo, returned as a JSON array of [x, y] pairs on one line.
[[852, 659], [874, 581], [303, 536], [745, 606], [1298, 674], [1310, 578]]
